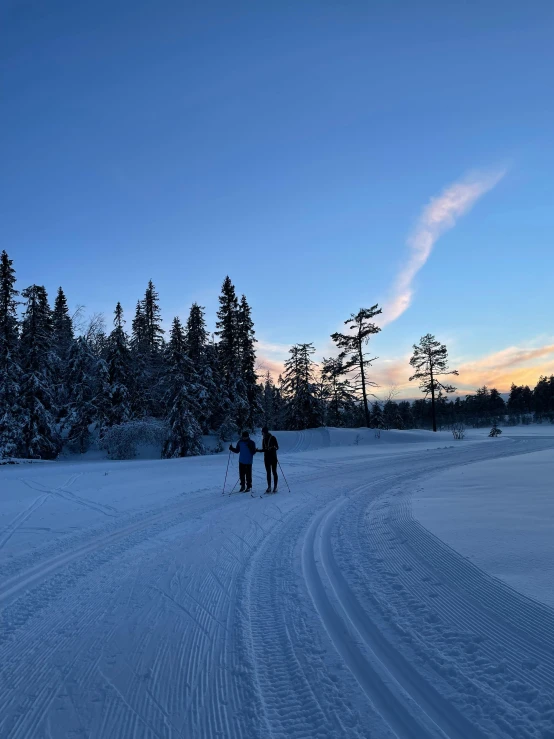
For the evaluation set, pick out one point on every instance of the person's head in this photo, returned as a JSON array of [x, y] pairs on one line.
[[265, 431], [245, 435]]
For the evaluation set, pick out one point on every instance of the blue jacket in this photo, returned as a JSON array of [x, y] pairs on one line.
[[246, 448]]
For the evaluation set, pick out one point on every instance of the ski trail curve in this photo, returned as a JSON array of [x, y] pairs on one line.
[[329, 613]]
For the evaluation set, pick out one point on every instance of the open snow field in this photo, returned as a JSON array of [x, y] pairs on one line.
[[386, 596]]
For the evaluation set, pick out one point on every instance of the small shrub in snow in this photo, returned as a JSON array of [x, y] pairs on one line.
[[121, 441], [495, 431], [458, 431]]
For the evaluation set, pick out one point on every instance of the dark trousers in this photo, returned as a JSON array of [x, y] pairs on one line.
[[245, 472], [271, 466]]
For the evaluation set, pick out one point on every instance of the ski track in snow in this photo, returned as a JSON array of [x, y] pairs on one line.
[[326, 612]]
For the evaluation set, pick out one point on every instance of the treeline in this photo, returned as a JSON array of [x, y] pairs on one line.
[[63, 383], [477, 410], [61, 386]]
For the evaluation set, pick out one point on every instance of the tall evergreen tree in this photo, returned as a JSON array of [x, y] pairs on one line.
[[153, 319], [202, 358], [338, 391], [119, 371], [102, 395], [185, 435], [352, 346], [430, 361], [303, 409], [62, 340], [218, 409], [196, 334], [40, 436], [80, 380], [247, 353], [139, 383], [146, 388], [10, 369], [227, 329], [139, 339], [235, 397], [62, 326]]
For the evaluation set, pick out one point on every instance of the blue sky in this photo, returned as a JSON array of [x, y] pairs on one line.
[[295, 147]]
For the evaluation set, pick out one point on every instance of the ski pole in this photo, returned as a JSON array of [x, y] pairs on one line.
[[284, 478], [234, 486], [226, 471]]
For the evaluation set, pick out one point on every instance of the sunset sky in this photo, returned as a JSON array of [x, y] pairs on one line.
[[325, 155]]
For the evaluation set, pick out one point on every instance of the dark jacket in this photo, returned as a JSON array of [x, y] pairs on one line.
[[269, 447], [246, 448]]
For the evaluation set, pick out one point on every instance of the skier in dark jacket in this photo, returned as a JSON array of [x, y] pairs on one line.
[[246, 449], [269, 448]]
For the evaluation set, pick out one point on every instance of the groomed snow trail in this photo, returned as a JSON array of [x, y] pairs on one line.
[[146, 610]]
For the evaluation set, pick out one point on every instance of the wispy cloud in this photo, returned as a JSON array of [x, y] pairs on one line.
[[513, 364], [265, 364], [272, 348], [438, 216], [522, 365]]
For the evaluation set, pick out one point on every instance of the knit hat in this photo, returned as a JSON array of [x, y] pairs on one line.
[[245, 434], [265, 430]]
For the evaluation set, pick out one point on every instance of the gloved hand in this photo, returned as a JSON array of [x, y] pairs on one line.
[[230, 447]]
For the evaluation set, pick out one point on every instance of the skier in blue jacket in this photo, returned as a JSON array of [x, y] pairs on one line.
[[246, 449]]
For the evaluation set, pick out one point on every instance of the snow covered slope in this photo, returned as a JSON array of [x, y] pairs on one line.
[[500, 514], [138, 601]]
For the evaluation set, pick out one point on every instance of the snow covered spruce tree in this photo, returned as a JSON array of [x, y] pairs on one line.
[[226, 326], [118, 360], [247, 356], [81, 410], [102, 395], [338, 392], [302, 406], [62, 340], [153, 320], [202, 358], [430, 361], [147, 345], [11, 412], [38, 390], [138, 345], [62, 327], [185, 435], [352, 346], [235, 404]]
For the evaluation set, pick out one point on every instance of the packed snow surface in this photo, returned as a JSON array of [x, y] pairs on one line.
[[139, 601], [500, 514]]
